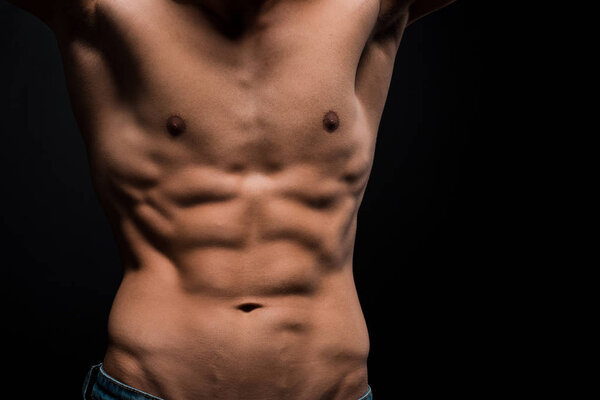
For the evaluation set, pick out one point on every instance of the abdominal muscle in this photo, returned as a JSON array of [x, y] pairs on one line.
[[237, 232], [240, 289], [178, 345]]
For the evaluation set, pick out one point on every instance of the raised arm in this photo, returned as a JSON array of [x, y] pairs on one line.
[[420, 8], [377, 60], [46, 10], [396, 15]]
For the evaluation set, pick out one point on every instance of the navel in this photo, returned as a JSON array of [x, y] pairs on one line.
[[331, 121], [248, 307], [175, 125]]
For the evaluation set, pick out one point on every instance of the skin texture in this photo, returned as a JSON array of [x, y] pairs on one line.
[[230, 143]]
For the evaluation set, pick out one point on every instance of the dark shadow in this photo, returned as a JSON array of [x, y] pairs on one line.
[[231, 18]]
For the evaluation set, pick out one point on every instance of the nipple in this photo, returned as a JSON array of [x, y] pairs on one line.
[[331, 121], [175, 125]]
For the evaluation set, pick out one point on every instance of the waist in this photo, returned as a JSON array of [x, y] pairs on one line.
[[162, 334], [99, 384]]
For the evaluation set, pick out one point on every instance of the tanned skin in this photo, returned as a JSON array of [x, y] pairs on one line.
[[230, 143]]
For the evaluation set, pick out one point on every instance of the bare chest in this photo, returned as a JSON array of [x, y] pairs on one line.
[[256, 80]]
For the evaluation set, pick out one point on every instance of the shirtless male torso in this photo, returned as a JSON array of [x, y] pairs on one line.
[[230, 143]]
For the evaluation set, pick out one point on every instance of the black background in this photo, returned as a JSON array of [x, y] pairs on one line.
[[428, 236]]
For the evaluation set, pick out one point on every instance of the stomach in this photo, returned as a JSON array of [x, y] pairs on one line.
[[234, 342]]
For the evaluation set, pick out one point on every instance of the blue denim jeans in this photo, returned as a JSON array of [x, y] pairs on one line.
[[99, 385]]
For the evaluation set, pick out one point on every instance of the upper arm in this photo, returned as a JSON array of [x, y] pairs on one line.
[[396, 15], [46, 10], [42, 9], [420, 8]]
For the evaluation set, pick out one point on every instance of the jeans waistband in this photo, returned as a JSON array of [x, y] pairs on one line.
[[105, 387]]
